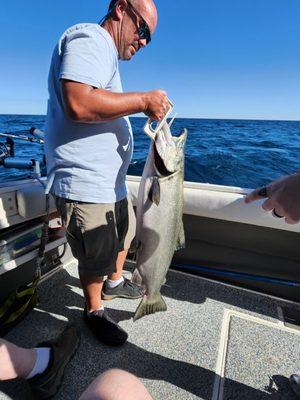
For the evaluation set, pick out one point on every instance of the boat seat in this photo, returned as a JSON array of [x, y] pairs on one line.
[[32, 202], [23, 201]]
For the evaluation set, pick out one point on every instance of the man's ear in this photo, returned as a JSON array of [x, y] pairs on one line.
[[121, 8]]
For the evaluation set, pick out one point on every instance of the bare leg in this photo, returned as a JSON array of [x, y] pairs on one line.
[[92, 287], [15, 362], [116, 384], [119, 265]]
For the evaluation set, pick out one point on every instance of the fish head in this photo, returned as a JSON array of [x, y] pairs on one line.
[[168, 151]]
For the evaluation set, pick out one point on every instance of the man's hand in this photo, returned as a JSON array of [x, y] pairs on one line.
[[156, 104], [283, 197]]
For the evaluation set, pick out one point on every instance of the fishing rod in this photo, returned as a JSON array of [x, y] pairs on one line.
[[37, 136]]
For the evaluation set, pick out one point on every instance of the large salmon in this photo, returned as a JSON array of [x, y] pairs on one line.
[[159, 217]]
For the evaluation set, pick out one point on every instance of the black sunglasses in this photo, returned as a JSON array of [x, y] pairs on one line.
[[143, 30]]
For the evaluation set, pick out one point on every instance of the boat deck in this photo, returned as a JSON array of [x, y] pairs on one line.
[[214, 342]]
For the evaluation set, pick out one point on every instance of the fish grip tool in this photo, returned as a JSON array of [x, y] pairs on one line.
[[152, 131]]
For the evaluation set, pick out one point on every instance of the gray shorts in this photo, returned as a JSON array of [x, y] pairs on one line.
[[96, 233]]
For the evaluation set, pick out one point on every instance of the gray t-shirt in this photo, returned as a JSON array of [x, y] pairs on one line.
[[86, 161]]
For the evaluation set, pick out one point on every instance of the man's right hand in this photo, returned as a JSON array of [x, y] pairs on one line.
[[156, 104]]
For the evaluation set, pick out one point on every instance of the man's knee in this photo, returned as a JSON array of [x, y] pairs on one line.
[[104, 386], [2, 348], [116, 384]]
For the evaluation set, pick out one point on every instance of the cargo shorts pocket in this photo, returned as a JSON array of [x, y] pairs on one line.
[[95, 227], [75, 237], [67, 211]]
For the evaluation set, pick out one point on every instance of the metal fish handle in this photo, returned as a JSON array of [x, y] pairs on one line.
[[152, 132]]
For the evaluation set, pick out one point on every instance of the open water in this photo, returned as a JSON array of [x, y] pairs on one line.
[[240, 153]]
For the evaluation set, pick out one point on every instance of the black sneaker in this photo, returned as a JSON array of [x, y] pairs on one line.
[[125, 289], [47, 384], [295, 383], [105, 328]]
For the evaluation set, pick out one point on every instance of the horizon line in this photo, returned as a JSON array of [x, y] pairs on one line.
[[178, 117]]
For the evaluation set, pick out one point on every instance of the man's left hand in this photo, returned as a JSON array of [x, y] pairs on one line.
[[282, 196]]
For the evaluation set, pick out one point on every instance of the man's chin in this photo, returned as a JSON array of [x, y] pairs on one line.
[[128, 53], [126, 57]]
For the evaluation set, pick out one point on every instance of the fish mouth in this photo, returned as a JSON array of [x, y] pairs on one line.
[[159, 164], [169, 159]]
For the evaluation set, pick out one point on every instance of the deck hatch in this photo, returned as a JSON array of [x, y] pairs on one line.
[[291, 318]]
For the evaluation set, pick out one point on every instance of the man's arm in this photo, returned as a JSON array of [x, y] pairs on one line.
[[83, 103], [283, 196]]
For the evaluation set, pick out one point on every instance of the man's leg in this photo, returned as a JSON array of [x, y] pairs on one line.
[[116, 385], [119, 266], [93, 237], [105, 329], [43, 367], [15, 361], [92, 287], [117, 286]]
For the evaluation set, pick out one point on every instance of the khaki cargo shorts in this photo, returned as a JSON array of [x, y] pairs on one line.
[[96, 233]]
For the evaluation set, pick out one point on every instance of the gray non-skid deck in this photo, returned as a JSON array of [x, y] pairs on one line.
[[214, 342]]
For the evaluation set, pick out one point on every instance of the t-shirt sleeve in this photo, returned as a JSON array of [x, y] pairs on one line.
[[86, 58]]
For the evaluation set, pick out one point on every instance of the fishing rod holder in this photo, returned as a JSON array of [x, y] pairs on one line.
[[7, 152], [19, 163], [7, 149]]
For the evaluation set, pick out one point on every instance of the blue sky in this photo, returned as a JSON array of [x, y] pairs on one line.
[[215, 58]]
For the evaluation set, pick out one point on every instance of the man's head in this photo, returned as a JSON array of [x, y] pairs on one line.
[[131, 24]]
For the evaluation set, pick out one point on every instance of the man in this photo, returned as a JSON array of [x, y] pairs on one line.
[[283, 199], [89, 147]]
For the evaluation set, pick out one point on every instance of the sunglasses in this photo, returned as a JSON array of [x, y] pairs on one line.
[[143, 30]]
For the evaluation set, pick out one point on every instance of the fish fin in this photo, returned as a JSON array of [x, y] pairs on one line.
[[135, 246], [182, 138], [136, 277], [181, 238], [154, 193], [150, 306]]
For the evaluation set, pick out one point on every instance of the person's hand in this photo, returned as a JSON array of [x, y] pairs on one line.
[[156, 104], [283, 197]]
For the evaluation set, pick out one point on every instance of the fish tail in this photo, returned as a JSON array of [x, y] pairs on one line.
[[150, 306]]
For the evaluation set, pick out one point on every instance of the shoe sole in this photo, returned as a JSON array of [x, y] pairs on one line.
[[108, 297]]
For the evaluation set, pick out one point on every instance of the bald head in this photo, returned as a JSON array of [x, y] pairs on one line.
[[148, 10]]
